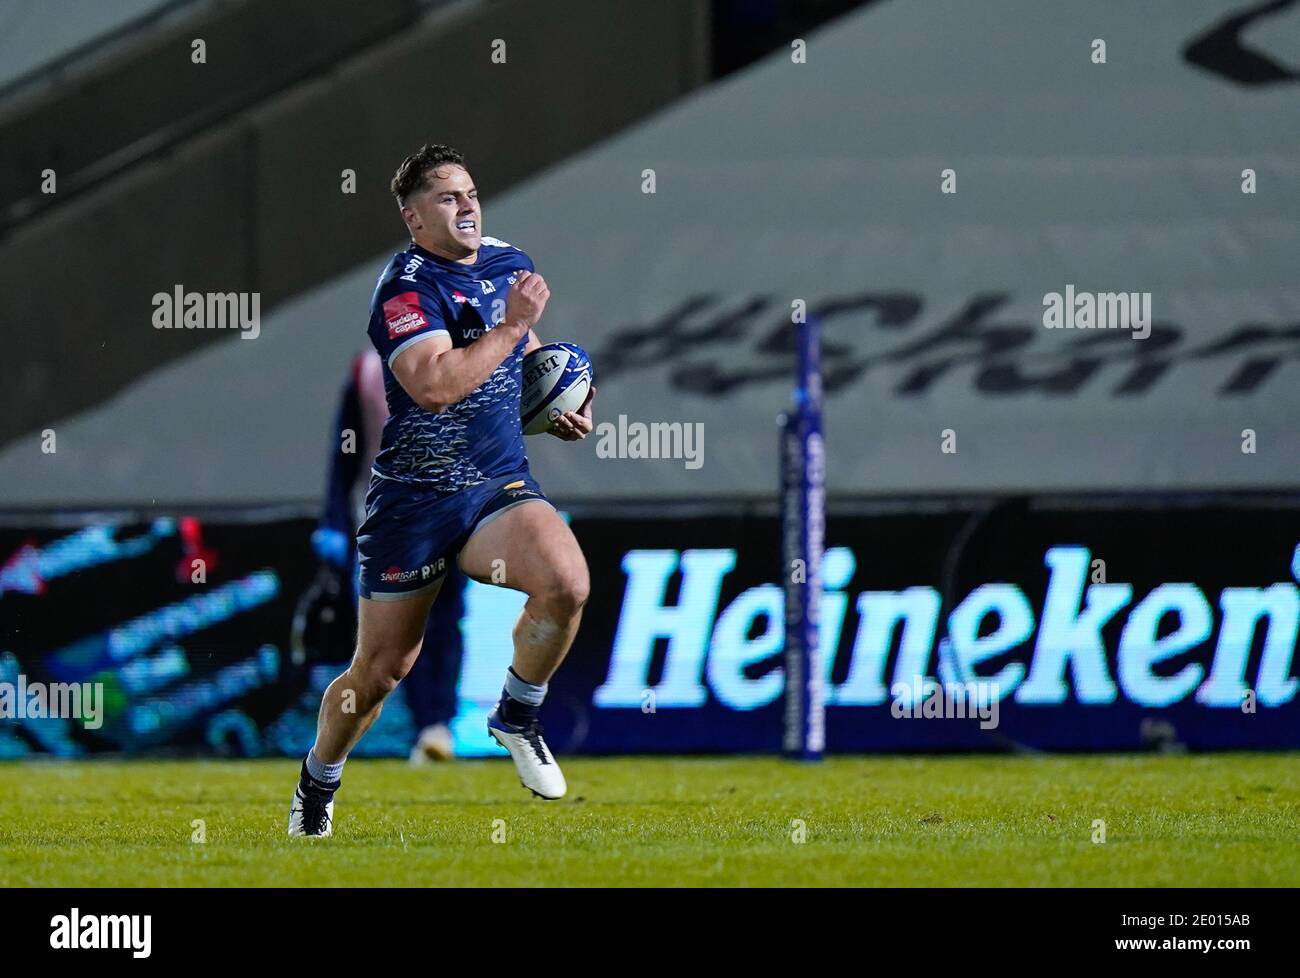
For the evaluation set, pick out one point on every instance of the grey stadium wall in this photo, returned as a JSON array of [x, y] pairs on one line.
[[816, 182]]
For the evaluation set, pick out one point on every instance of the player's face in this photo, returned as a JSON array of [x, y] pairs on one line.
[[445, 217]]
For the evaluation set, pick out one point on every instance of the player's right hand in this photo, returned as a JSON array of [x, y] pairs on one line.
[[527, 300]]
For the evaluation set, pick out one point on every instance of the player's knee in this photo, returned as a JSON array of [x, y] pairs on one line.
[[379, 677], [579, 590], [567, 594]]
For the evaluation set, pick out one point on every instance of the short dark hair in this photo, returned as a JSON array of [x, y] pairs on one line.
[[410, 175]]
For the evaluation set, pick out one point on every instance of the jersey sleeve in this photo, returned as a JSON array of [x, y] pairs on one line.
[[405, 313]]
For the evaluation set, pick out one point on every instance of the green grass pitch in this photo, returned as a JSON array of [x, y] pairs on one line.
[[1208, 820]]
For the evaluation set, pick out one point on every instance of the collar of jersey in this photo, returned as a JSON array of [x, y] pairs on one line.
[[447, 262]]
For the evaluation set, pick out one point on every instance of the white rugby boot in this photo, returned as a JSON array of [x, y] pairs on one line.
[[311, 813], [534, 761]]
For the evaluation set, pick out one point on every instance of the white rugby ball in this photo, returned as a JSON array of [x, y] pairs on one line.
[[557, 379]]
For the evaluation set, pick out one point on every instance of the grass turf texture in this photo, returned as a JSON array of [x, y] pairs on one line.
[[1220, 820]]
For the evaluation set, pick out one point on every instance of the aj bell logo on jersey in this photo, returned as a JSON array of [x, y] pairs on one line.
[[395, 575], [412, 266]]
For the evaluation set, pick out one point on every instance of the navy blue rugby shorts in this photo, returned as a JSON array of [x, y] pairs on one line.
[[410, 535]]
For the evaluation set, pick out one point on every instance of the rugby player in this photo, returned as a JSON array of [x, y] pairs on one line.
[[452, 318]]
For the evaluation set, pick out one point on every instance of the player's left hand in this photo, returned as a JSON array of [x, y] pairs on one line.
[[575, 425]]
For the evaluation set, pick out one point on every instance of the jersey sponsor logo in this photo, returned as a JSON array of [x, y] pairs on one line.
[[402, 315], [460, 298], [412, 266], [395, 574]]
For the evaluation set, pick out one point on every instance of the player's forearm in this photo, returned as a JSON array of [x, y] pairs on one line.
[[455, 374]]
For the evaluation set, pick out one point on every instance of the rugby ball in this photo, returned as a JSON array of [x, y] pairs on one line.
[[557, 379]]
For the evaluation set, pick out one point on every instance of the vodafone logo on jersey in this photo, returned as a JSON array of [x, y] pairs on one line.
[[402, 315]]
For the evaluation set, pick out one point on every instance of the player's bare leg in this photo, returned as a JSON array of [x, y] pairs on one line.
[[531, 549], [389, 637]]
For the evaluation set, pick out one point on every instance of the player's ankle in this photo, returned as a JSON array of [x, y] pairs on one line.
[[520, 700], [515, 713], [321, 775]]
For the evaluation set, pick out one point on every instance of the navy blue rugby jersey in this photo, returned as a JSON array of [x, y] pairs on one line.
[[419, 296]]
